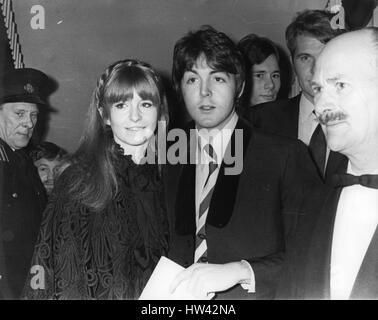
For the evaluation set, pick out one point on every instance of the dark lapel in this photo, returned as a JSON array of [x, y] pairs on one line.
[[185, 201], [317, 270], [337, 163], [185, 222], [366, 284], [223, 198]]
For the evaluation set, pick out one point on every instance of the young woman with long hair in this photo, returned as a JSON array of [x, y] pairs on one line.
[[105, 226]]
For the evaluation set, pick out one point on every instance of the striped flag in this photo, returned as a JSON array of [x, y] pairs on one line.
[[8, 25]]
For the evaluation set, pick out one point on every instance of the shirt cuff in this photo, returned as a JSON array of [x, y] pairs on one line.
[[250, 283]]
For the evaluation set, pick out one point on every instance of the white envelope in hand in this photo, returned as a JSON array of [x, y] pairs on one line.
[[157, 287]]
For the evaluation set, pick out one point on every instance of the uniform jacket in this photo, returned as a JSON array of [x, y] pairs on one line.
[[22, 200]]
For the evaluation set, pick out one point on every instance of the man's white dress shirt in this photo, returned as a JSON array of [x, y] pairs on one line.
[[355, 224]]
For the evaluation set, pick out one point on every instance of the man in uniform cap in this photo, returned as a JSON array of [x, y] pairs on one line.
[[22, 196]]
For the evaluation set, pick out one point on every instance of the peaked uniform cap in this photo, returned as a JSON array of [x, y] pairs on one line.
[[23, 85]]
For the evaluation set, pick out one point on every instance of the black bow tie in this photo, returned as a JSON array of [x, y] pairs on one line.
[[345, 180]]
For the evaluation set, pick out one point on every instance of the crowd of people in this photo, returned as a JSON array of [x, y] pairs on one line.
[[298, 221]]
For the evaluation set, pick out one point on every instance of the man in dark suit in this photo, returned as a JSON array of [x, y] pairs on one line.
[[232, 210], [306, 36], [335, 252], [22, 195]]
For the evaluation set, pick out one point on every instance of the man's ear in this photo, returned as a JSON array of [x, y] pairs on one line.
[[241, 90]]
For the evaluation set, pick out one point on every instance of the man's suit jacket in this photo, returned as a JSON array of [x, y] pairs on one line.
[[250, 214], [307, 272], [281, 117]]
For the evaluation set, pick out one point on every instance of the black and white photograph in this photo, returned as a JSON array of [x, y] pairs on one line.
[[196, 153]]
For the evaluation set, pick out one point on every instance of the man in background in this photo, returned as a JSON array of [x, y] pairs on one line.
[[22, 196], [335, 252], [306, 37]]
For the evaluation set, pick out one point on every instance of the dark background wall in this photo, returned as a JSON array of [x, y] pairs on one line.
[[82, 37]]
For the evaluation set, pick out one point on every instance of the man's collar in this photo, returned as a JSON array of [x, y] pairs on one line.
[[2, 142], [306, 106], [219, 139], [351, 171]]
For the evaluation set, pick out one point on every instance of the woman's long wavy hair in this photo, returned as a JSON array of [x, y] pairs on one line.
[[98, 184]]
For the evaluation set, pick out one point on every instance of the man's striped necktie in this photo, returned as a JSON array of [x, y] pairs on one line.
[[200, 254]]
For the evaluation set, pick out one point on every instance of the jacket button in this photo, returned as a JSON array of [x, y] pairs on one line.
[[14, 195]]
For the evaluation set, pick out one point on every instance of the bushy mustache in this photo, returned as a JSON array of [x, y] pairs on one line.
[[331, 116]]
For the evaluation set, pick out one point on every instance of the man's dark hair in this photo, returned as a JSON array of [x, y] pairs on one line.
[[313, 23], [47, 150], [256, 49], [220, 51]]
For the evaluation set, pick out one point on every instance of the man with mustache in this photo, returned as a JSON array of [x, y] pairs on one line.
[[306, 37], [229, 227], [22, 196], [335, 253]]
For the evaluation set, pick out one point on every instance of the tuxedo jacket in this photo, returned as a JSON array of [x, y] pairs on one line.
[[281, 117], [250, 215], [307, 272]]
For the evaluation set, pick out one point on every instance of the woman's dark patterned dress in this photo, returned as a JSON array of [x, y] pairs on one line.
[[106, 255]]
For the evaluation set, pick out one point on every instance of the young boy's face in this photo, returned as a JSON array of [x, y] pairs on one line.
[[47, 171], [208, 94]]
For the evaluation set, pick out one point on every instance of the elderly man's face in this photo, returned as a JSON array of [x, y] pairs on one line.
[[346, 93], [17, 122]]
